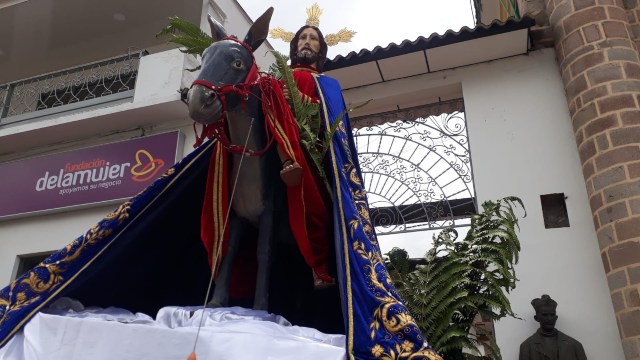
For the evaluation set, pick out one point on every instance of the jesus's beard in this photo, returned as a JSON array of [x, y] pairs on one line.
[[307, 57]]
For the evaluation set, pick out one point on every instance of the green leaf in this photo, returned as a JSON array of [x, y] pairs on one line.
[[186, 34], [463, 278], [307, 117]]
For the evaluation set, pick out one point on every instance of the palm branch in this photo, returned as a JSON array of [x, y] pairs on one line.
[[186, 34]]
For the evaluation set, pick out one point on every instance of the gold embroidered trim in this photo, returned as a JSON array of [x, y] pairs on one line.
[[387, 315], [343, 227], [280, 131]]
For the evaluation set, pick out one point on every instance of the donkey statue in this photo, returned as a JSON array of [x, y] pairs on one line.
[[225, 98]]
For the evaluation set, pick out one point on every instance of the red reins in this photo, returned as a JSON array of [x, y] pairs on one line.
[[243, 90]]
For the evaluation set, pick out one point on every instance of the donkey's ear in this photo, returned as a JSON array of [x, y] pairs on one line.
[[259, 30], [217, 31]]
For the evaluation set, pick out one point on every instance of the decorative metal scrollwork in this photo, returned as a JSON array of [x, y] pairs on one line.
[[74, 85], [417, 173]]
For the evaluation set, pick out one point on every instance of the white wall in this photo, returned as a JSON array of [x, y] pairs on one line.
[[522, 144], [37, 234]]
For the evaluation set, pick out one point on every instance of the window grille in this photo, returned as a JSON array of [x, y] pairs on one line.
[[416, 167]]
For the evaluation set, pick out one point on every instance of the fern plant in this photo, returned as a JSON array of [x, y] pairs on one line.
[[461, 279]]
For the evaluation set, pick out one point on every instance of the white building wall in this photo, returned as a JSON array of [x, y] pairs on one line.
[[522, 144], [44, 233]]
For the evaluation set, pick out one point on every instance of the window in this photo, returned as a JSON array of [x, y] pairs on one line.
[[554, 211], [29, 261]]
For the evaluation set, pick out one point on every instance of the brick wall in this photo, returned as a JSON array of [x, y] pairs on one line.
[[633, 15], [596, 46]]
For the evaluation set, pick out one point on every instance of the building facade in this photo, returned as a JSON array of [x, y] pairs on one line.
[[107, 78], [524, 111]]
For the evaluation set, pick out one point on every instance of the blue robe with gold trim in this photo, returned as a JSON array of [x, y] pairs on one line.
[[377, 324]]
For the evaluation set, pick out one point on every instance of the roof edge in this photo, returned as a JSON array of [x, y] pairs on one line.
[[433, 41]]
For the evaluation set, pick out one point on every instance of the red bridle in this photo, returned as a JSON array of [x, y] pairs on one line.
[[243, 90]]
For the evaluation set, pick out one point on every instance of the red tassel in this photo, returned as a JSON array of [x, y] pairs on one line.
[[192, 356]]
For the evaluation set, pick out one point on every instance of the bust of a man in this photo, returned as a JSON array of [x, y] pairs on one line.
[[547, 343]]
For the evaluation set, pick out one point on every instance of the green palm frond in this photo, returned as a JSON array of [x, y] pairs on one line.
[[309, 119], [463, 278], [186, 34], [307, 116], [274, 69]]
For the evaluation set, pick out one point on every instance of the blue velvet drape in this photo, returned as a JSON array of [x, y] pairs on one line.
[[378, 326]]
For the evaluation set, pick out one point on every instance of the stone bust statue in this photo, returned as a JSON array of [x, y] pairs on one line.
[[547, 343]]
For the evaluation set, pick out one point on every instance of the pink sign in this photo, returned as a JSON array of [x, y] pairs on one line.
[[85, 176]]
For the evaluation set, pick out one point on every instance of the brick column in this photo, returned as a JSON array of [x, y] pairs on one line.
[[633, 14], [600, 67]]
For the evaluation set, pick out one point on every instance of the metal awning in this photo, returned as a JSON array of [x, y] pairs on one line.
[[435, 53]]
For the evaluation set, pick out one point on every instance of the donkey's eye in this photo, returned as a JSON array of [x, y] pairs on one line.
[[237, 64]]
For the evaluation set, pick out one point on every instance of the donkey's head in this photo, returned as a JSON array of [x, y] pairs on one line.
[[226, 62]]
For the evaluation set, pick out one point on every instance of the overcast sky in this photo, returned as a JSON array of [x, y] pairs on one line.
[[377, 23]]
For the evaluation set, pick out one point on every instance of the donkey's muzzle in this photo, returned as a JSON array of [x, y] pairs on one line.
[[205, 105]]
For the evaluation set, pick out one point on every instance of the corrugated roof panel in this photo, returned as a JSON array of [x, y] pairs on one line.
[[449, 37]]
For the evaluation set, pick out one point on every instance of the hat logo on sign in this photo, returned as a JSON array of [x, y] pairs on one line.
[[146, 167]]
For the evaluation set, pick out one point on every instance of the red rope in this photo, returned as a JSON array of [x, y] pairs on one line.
[[243, 90], [217, 129]]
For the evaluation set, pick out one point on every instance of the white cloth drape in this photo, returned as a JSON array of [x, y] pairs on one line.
[[70, 332]]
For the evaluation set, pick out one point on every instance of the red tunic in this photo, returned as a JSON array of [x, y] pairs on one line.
[[317, 207], [309, 213], [304, 79]]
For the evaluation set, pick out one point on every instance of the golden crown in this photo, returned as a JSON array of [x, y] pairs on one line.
[[313, 19]]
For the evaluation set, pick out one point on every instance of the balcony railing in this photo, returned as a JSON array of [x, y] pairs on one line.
[[71, 89]]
